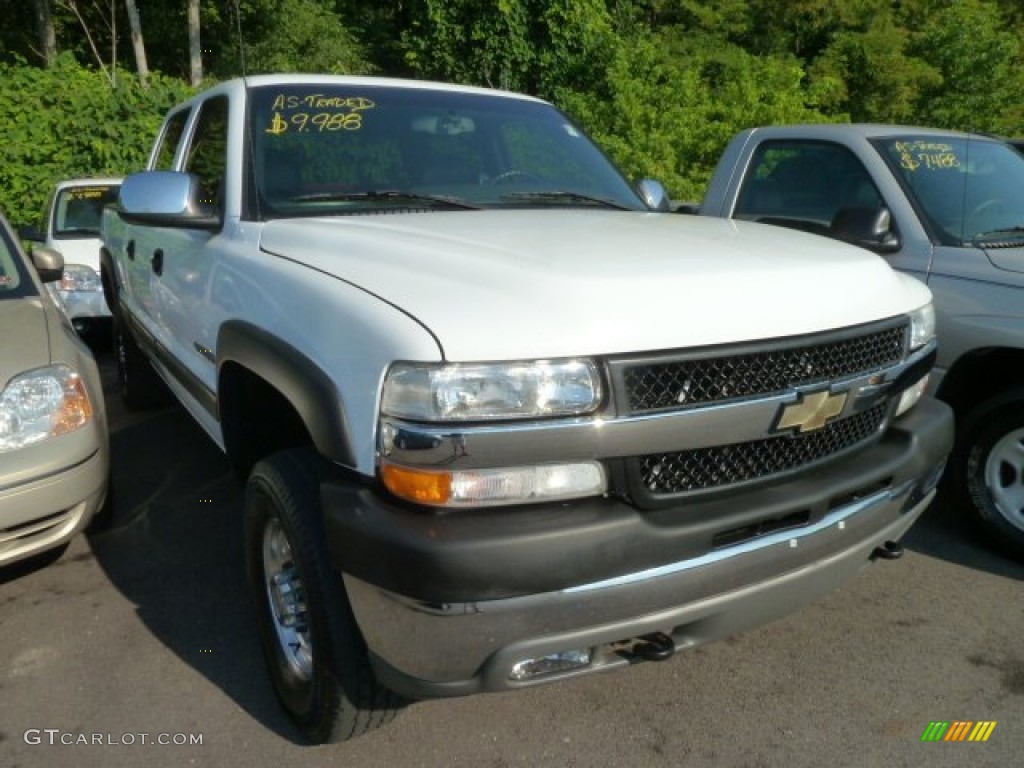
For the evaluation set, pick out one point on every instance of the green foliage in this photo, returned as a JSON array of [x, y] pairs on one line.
[[299, 36], [662, 84], [670, 116], [980, 58], [485, 42], [69, 121]]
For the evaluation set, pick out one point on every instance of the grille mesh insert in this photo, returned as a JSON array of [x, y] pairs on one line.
[[662, 385], [704, 468]]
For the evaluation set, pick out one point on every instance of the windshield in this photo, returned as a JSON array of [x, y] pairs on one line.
[[79, 209], [968, 190], [352, 149], [14, 283]]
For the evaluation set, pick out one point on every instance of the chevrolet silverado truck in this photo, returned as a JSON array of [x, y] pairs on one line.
[[502, 422], [947, 208]]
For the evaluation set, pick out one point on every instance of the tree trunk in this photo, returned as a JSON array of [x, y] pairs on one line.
[[47, 35], [195, 53], [138, 44]]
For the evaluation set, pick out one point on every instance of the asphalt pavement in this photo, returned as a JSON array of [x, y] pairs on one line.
[[137, 648]]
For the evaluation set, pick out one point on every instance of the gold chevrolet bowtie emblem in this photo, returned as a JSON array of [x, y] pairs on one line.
[[811, 411]]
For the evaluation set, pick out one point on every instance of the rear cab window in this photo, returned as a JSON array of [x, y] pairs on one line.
[[804, 184]]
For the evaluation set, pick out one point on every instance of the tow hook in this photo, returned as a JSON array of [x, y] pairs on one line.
[[891, 550], [656, 646]]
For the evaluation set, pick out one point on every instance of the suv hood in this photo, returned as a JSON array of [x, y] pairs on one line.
[[1010, 259], [553, 283], [26, 339]]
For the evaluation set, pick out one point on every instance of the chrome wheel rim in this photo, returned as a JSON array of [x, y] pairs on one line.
[[287, 601], [1004, 476]]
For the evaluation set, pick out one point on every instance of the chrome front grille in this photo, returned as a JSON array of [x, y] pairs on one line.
[[713, 467], [659, 384]]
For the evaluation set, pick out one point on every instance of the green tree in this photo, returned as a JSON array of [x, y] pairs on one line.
[[299, 36], [42, 114], [533, 46], [670, 106], [979, 57]]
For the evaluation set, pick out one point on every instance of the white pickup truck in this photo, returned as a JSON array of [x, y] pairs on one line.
[[70, 225], [948, 208], [503, 422]]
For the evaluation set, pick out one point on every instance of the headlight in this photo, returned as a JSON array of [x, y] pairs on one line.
[[43, 403], [79, 277], [922, 325], [491, 391]]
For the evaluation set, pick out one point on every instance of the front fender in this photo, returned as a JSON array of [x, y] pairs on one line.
[[301, 381]]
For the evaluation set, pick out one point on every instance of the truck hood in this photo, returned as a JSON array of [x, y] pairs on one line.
[[555, 283], [26, 339], [79, 250]]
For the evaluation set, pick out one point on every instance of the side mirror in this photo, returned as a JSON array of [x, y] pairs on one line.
[[869, 228], [654, 194], [49, 263], [165, 199]]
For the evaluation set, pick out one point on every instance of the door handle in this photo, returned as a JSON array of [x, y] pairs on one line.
[[158, 261], [130, 250]]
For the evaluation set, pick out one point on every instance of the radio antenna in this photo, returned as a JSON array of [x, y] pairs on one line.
[[241, 45]]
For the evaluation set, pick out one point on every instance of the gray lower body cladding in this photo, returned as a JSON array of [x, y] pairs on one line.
[[449, 603]]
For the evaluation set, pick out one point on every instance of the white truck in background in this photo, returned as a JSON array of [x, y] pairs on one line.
[[70, 225]]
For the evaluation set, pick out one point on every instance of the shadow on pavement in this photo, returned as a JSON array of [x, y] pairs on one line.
[[950, 533], [175, 551]]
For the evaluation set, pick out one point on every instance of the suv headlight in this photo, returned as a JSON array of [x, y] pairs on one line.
[[42, 403], [922, 325], [491, 391]]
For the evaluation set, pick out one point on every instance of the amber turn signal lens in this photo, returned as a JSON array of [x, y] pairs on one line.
[[418, 486]]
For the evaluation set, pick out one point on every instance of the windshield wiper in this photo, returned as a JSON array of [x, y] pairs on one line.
[[385, 195], [563, 196], [1016, 230]]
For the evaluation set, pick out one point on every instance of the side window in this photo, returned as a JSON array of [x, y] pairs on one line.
[[164, 160], [804, 185], [207, 152]]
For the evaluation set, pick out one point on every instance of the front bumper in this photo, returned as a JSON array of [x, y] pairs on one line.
[[46, 500], [449, 604]]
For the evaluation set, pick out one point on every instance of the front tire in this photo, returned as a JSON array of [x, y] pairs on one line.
[[316, 655], [990, 461]]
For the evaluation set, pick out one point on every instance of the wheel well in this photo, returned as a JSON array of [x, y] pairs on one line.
[[979, 375], [256, 419]]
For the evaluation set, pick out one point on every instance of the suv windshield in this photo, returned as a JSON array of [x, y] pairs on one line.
[[329, 150], [78, 210], [970, 191]]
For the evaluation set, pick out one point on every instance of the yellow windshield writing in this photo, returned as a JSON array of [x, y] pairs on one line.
[[317, 112], [930, 155], [86, 194]]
